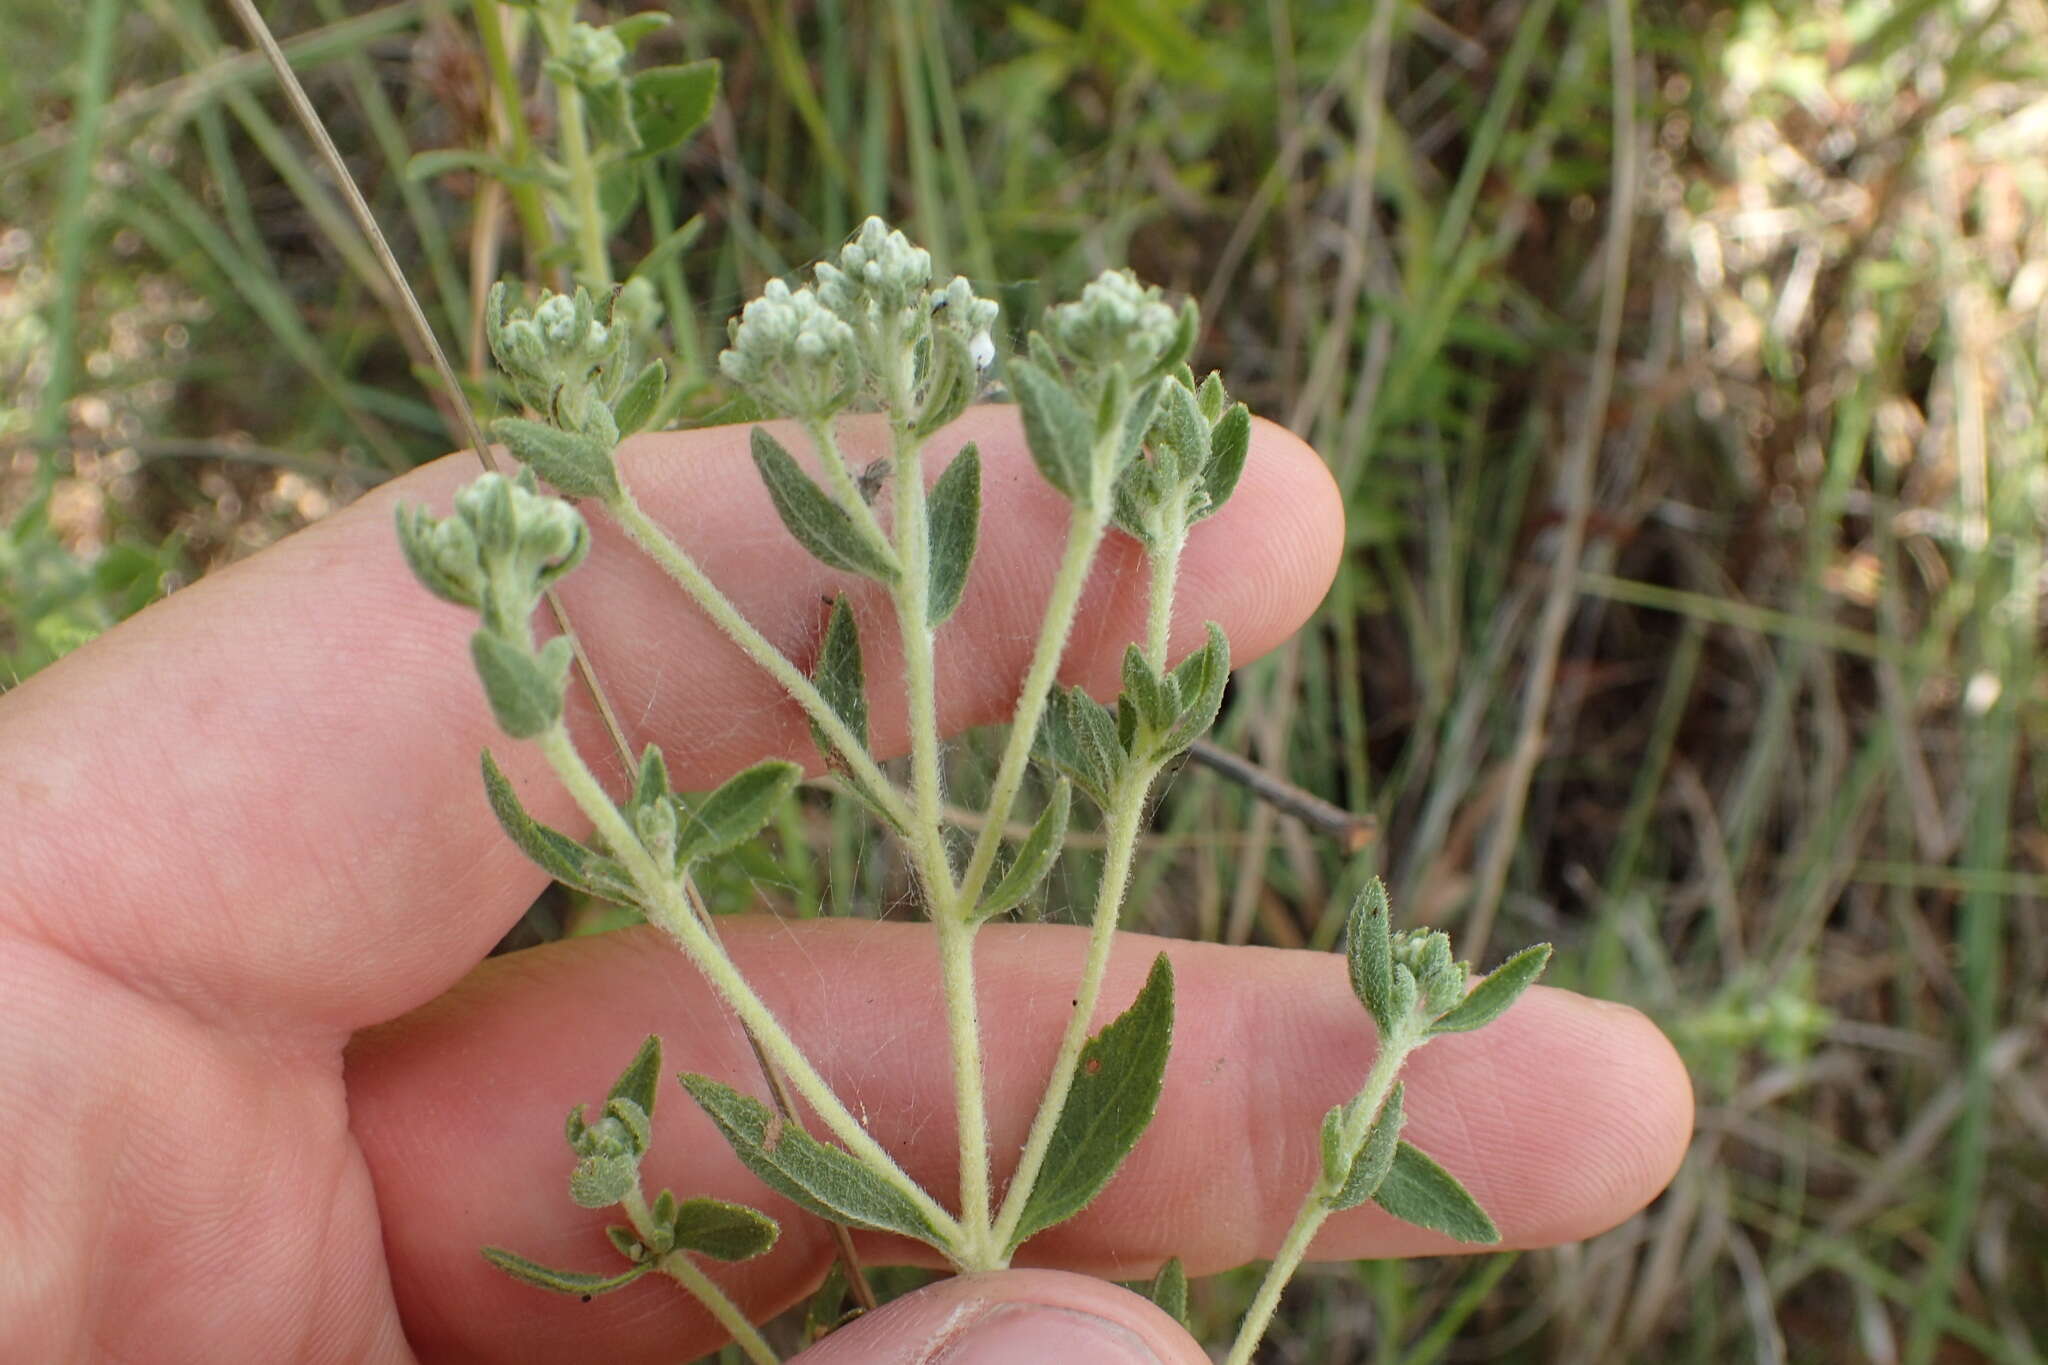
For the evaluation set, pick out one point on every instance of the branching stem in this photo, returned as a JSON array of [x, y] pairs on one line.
[[1364, 1112], [626, 510], [678, 1266], [664, 904]]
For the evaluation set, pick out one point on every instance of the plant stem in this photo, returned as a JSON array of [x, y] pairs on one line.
[[1165, 579], [678, 1266], [626, 510], [1084, 534], [844, 485], [664, 904], [1125, 816], [534, 227], [1364, 1112], [574, 143]]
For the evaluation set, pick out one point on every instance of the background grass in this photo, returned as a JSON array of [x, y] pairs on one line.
[[1682, 365]]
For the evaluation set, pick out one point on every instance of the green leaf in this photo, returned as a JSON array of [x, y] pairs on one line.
[[1059, 433], [524, 691], [823, 1180], [638, 1081], [561, 857], [602, 1180], [840, 679], [1187, 327], [585, 1287], [1369, 953], [737, 811], [1035, 856], [444, 160], [636, 407], [1211, 398], [1078, 737], [1490, 999], [950, 383], [626, 1242], [954, 518], [819, 524], [1144, 401], [658, 255], [1417, 1190], [1228, 446], [1199, 683], [1152, 697], [1115, 1091], [735, 411], [1179, 437], [1169, 1289], [672, 102], [722, 1231], [634, 27], [610, 115], [577, 465], [1375, 1157]]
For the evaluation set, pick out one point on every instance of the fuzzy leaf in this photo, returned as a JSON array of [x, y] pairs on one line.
[[524, 691], [1490, 999], [1417, 1190], [626, 1241], [722, 1231], [1211, 397], [1169, 1289], [671, 102], [1155, 700], [737, 811], [1199, 684], [577, 465], [638, 1081], [600, 1181], [1078, 737], [561, 857], [1375, 1158], [824, 1180], [1059, 433], [1035, 856], [840, 678], [1115, 1091], [585, 1287], [954, 518], [1369, 952], [1179, 437], [819, 524], [1144, 402], [951, 383], [1187, 327], [636, 407], [1228, 446]]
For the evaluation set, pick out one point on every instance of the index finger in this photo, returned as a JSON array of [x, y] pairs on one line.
[[279, 762]]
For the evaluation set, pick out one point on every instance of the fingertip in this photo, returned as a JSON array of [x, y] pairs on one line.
[[1012, 1317]]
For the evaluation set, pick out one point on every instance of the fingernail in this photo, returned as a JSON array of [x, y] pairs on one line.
[[1037, 1334]]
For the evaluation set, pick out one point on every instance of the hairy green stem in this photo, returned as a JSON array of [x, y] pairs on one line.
[[573, 141], [1165, 579], [1364, 1111], [844, 486], [665, 905], [678, 1266], [626, 510], [1125, 818], [1084, 535]]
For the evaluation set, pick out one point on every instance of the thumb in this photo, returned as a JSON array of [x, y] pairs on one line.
[[1012, 1317]]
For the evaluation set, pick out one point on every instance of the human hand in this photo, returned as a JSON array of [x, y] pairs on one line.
[[246, 828]]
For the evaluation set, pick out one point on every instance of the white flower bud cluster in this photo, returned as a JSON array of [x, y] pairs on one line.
[[792, 352], [879, 276], [565, 357], [594, 56], [1116, 321]]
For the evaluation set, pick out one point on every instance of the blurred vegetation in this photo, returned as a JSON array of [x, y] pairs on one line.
[[1682, 367]]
